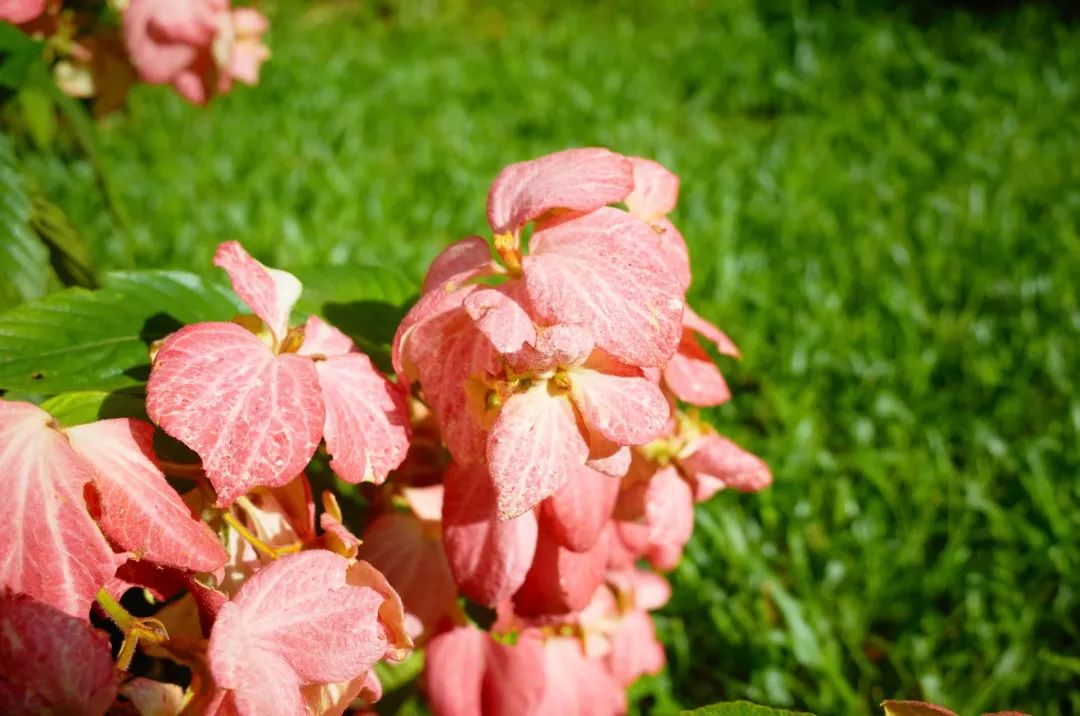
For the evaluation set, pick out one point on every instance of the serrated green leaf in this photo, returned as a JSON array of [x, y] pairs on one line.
[[98, 340], [741, 708], [365, 302], [24, 259], [87, 406]]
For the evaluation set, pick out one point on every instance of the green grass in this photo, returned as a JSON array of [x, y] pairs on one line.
[[883, 212]]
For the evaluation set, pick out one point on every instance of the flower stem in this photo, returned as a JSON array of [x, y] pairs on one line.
[[247, 534], [115, 611]]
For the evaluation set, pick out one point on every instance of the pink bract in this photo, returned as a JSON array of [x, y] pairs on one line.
[[18, 12], [299, 621], [51, 662], [574, 179], [198, 46], [410, 555], [52, 550], [488, 557], [254, 412], [469, 673]]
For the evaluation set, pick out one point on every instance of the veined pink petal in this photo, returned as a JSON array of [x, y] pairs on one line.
[[488, 557], [656, 190], [716, 463], [296, 621], [52, 662], [614, 464], [575, 179], [411, 558], [391, 612], [711, 333], [532, 449], [562, 345], [606, 271], [560, 580], [673, 246], [458, 263], [439, 344], [454, 671], [269, 292], [323, 340], [153, 698], [18, 12], [514, 680], [669, 512], [254, 418], [635, 650], [693, 377], [140, 511], [367, 420], [576, 685], [50, 548], [579, 511], [500, 318], [625, 410]]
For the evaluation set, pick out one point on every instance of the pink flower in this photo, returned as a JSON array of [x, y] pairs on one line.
[[55, 552], [469, 673], [255, 410], [535, 444], [488, 557], [655, 509], [408, 550], [198, 46], [18, 12], [306, 620], [52, 662]]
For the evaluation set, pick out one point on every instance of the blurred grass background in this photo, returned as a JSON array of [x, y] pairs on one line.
[[883, 208]]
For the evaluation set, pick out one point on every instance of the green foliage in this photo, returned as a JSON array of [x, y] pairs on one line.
[[883, 211], [363, 301], [741, 708], [24, 260], [87, 406], [99, 340]]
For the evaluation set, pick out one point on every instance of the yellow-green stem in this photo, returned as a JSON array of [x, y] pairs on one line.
[[247, 534], [115, 611]]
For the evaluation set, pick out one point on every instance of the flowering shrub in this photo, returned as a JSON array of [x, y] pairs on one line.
[[507, 502], [97, 50]]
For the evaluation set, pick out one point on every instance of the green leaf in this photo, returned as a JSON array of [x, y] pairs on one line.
[[39, 113], [87, 406], [914, 708], [365, 302], [18, 54], [24, 260], [741, 708], [99, 340], [68, 254]]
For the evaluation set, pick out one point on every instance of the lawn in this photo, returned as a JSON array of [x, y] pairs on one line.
[[883, 209]]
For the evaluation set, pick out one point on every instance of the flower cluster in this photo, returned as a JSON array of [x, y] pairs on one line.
[[554, 362], [200, 47], [522, 482]]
